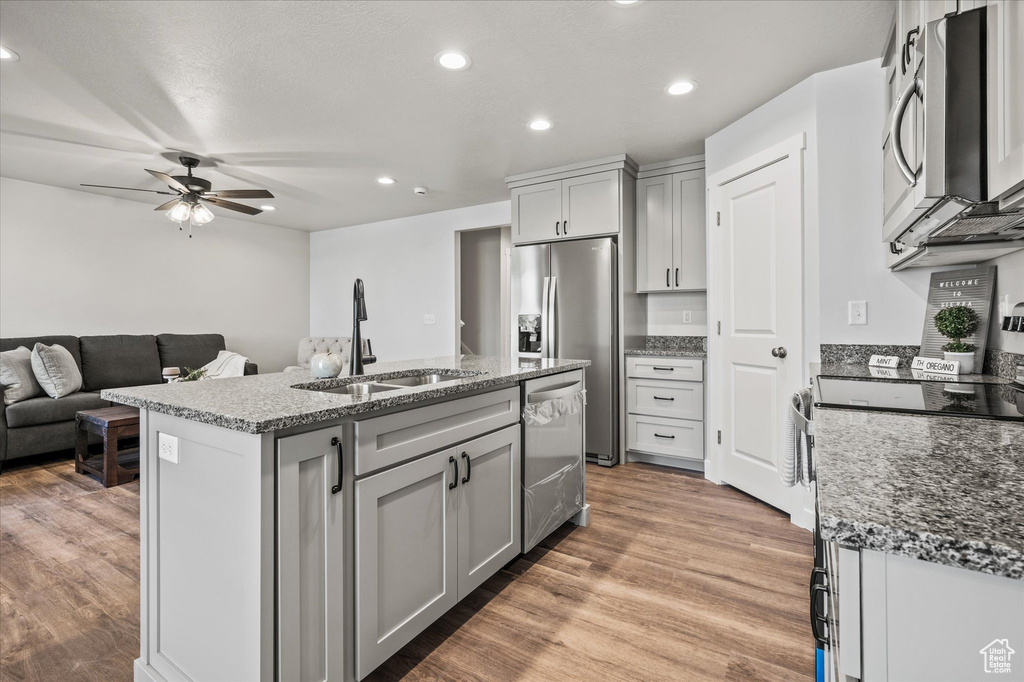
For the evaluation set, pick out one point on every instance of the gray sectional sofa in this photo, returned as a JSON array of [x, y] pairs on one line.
[[44, 424]]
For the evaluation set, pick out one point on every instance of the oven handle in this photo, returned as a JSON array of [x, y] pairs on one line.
[[916, 87]]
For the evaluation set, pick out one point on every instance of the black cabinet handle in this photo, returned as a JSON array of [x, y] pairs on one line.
[[658, 397], [557, 223], [336, 488], [455, 481], [665, 369], [658, 435], [668, 272], [469, 469], [565, 227], [908, 59], [677, 276]]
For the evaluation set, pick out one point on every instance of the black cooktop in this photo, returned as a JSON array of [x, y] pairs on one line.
[[952, 398]]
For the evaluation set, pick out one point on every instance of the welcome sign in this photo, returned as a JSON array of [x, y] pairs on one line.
[[972, 288]]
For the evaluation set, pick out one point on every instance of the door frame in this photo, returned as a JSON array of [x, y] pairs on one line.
[[506, 287], [790, 148]]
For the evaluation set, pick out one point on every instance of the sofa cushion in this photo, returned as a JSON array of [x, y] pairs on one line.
[[16, 375], [118, 361], [188, 350], [69, 342], [44, 410], [55, 370]]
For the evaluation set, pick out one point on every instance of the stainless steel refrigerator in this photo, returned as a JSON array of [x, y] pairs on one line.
[[564, 298]]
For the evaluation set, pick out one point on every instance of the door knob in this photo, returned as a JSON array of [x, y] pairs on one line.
[[779, 352]]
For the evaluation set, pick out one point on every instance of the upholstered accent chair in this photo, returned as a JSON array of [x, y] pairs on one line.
[[313, 345]]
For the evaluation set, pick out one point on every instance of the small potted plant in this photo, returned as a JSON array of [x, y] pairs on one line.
[[957, 323]]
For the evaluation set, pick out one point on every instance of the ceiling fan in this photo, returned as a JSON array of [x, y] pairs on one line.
[[191, 193]]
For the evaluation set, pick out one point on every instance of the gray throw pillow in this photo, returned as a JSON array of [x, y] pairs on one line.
[[17, 377], [55, 370]]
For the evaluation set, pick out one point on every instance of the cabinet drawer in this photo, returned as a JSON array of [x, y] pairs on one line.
[[672, 369], [670, 437], [657, 398], [393, 438]]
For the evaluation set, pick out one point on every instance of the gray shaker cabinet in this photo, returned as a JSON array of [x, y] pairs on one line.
[[406, 554], [310, 555]]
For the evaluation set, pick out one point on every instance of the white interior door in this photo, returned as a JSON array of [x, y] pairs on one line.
[[760, 306]]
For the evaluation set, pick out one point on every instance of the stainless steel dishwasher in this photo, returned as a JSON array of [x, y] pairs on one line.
[[553, 453]]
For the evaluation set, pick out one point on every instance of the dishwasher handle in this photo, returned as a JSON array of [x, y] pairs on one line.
[[555, 393]]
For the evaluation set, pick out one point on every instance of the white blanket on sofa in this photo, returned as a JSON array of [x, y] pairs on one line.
[[227, 364]]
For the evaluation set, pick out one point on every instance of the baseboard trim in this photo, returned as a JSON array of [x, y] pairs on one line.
[[144, 672], [662, 460]]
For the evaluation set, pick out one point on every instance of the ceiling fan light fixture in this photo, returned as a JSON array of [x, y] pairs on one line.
[[179, 213], [201, 215]]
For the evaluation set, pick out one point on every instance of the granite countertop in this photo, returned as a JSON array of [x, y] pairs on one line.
[[664, 352], [944, 489], [268, 402]]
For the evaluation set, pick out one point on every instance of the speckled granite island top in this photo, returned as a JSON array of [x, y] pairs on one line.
[[944, 489], [268, 402]]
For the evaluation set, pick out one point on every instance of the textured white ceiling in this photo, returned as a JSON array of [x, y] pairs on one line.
[[314, 100]]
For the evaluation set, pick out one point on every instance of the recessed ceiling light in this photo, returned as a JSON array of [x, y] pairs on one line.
[[453, 60], [681, 87], [625, 3], [385, 180], [540, 124], [267, 208], [8, 55]]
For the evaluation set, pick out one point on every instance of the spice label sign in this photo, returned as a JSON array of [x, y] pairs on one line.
[[971, 288], [936, 366], [884, 361]]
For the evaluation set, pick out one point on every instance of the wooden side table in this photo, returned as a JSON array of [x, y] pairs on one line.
[[114, 466]]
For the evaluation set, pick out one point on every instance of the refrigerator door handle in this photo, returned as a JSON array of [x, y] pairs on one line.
[[545, 319], [552, 334]]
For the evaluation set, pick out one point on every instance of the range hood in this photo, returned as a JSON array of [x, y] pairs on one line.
[[963, 253]]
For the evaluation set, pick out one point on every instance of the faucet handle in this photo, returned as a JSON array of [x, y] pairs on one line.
[[369, 358]]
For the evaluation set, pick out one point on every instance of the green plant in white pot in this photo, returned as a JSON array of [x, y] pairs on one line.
[[956, 324]]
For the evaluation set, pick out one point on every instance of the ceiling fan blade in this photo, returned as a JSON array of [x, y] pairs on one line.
[[169, 181], [131, 189], [241, 194], [242, 208], [167, 206]]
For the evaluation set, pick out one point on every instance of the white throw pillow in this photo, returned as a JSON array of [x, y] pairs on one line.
[[17, 377], [55, 370]]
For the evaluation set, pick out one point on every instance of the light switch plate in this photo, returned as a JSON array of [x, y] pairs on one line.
[[167, 447], [428, 319], [857, 312]]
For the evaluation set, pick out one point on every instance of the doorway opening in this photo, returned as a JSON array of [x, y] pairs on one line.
[[482, 285]]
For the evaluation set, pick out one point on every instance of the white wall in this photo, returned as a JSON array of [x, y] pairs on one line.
[[408, 268], [481, 289], [665, 314], [79, 263]]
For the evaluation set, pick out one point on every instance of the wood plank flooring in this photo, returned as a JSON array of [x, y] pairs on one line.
[[675, 579]]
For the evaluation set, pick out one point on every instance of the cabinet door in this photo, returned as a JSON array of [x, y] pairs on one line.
[[489, 519], [1006, 101], [406, 554], [654, 225], [689, 231], [537, 212], [591, 205], [310, 578]]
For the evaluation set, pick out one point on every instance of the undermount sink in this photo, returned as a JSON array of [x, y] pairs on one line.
[[357, 389], [418, 380]]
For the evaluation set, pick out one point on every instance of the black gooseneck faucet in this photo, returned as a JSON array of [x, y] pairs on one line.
[[357, 360]]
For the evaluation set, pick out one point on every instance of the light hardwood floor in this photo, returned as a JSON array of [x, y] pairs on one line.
[[675, 579]]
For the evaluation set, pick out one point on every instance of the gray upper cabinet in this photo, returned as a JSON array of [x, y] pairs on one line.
[[310, 555], [671, 234], [406, 554], [1006, 101], [570, 202]]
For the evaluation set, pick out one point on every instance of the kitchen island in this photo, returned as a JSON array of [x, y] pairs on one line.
[[302, 529], [923, 521]]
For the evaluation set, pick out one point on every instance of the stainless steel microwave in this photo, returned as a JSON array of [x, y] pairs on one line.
[[934, 168]]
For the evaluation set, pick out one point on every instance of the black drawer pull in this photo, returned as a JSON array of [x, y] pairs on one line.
[[665, 369], [658, 397], [336, 488], [658, 435], [455, 481]]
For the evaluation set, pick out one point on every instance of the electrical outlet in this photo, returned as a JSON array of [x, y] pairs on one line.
[[687, 316], [428, 319], [857, 312], [167, 447]]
